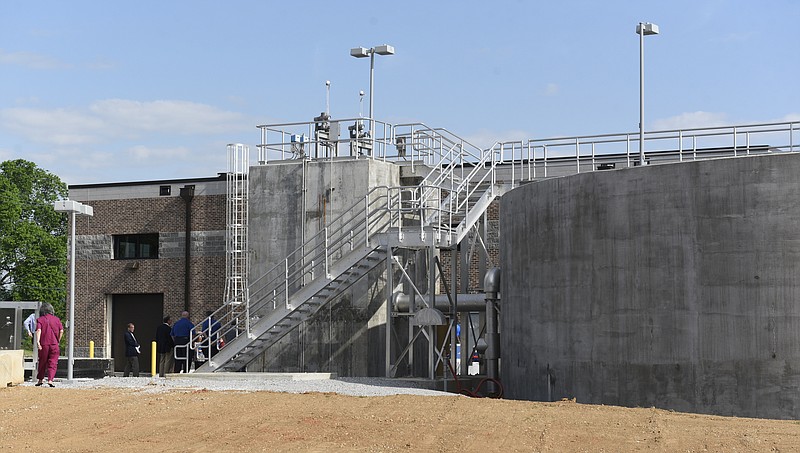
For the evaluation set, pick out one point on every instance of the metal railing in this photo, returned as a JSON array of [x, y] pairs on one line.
[[459, 173], [543, 158], [326, 139]]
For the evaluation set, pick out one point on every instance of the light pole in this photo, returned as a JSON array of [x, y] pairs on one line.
[[644, 28], [362, 52], [73, 208]]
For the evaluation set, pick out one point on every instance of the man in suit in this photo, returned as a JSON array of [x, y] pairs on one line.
[[132, 350], [165, 346]]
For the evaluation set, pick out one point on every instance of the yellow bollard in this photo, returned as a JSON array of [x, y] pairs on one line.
[[91, 349], [153, 358]]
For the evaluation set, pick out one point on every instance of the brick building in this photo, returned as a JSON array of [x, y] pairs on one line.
[[132, 261], [132, 266]]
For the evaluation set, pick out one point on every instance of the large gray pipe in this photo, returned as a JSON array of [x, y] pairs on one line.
[[491, 285], [466, 302]]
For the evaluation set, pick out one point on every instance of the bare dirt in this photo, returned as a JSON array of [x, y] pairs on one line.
[[78, 420]]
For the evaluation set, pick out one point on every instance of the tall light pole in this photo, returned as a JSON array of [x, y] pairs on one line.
[[362, 52], [73, 208], [644, 28]]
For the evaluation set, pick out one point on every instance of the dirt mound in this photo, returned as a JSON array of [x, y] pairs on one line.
[[60, 419]]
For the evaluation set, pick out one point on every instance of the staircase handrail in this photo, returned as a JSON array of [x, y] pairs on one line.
[[281, 278], [442, 175], [381, 209], [446, 136], [458, 196]]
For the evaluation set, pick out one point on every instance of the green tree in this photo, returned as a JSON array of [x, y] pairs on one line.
[[33, 243]]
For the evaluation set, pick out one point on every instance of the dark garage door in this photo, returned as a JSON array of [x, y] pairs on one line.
[[145, 312]]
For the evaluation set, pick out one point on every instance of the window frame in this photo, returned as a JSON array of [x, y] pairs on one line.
[[138, 241]]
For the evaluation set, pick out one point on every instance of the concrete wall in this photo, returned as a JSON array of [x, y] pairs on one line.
[[676, 286], [290, 202]]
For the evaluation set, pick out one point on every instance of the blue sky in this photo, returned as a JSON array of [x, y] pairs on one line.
[[101, 91]]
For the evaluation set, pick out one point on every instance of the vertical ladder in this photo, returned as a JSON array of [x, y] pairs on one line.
[[237, 264]]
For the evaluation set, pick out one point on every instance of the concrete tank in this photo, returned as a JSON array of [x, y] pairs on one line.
[[675, 286]]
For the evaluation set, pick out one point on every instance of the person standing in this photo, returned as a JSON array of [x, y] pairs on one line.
[[210, 331], [132, 350], [49, 332], [165, 346], [30, 324], [181, 332], [30, 328]]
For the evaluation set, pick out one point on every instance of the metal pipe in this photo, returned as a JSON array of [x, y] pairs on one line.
[[371, 91], [466, 302], [491, 284], [388, 335], [71, 343], [641, 93], [187, 193]]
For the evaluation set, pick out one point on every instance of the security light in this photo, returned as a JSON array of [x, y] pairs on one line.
[[389, 50], [359, 52], [647, 28]]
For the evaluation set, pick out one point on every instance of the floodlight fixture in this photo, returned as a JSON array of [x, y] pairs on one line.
[[646, 28], [359, 52], [384, 50]]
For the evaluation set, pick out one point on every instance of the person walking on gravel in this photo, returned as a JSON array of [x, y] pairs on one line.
[[49, 332]]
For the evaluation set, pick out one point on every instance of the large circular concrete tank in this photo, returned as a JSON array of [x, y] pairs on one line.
[[675, 286]]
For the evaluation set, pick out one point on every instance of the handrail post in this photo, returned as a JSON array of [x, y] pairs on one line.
[[544, 153], [286, 283], [422, 220], [327, 254], [628, 149], [494, 174], [399, 212], [366, 219], [747, 142]]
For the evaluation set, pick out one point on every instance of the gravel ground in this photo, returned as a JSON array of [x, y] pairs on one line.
[[249, 382]]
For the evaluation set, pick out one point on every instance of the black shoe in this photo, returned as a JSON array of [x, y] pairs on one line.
[[51, 384], [38, 384]]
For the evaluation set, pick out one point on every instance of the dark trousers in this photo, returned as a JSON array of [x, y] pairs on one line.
[[165, 362], [132, 364], [182, 355]]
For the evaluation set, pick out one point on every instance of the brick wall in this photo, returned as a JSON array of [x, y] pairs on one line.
[[98, 276], [491, 239]]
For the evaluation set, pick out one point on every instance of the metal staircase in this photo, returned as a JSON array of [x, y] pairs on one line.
[[438, 212]]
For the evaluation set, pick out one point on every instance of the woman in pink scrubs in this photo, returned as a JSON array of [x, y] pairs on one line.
[[49, 331]]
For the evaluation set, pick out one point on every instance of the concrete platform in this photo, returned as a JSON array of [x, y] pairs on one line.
[[253, 376]]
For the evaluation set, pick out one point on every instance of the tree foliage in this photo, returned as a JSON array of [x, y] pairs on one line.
[[33, 243]]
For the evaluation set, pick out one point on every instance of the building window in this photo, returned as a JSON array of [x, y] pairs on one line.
[[164, 190], [135, 246]]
